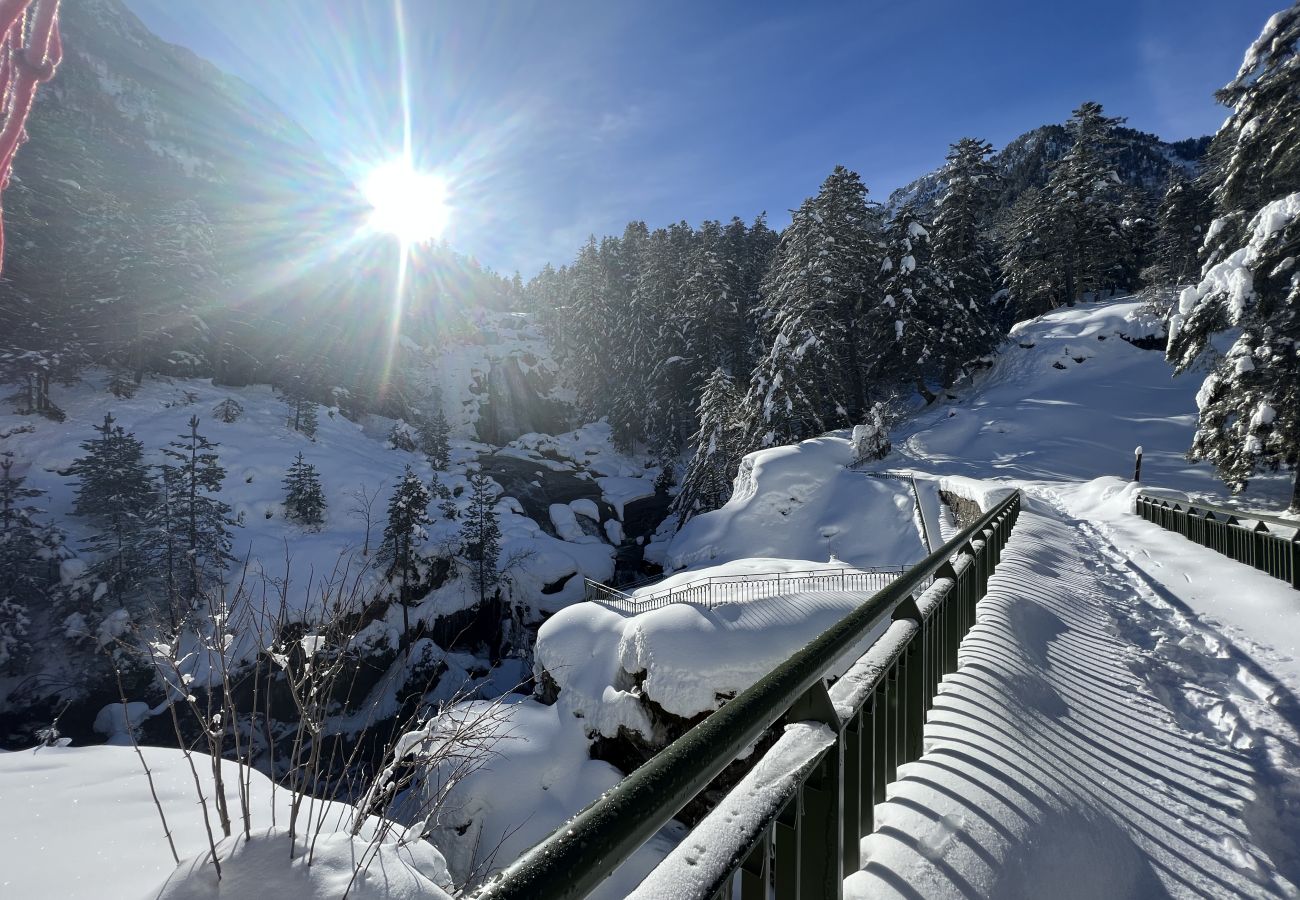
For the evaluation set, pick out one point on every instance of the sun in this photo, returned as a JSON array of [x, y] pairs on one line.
[[406, 202]]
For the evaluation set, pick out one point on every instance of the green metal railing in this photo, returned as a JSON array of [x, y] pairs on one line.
[[791, 828], [1269, 543]]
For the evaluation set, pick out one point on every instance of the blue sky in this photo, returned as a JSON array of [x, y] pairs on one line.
[[555, 120]]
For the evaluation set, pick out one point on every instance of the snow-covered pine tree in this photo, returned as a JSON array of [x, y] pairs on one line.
[[668, 399], [304, 501], [29, 564], [810, 377], [712, 469], [408, 513], [1250, 402], [115, 491], [1086, 204], [1255, 157], [302, 409], [1180, 229], [934, 332], [403, 436], [958, 240], [481, 537], [434, 434], [708, 302], [192, 480], [440, 492], [228, 411], [1031, 267]]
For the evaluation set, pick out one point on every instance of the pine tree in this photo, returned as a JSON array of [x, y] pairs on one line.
[[228, 410], [408, 513], [712, 469], [304, 501], [29, 565], [200, 520], [960, 248], [1086, 206], [1249, 404], [434, 434], [1255, 157], [1030, 264], [440, 492], [823, 276], [114, 489], [1069, 239], [302, 409], [481, 537], [935, 332]]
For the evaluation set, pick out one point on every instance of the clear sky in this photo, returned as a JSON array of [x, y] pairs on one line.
[[554, 119]]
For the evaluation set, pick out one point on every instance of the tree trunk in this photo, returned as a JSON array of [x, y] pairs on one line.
[[925, 392], [1295, 492]]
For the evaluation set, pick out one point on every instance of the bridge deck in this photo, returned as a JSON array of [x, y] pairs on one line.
[[1095, 743]]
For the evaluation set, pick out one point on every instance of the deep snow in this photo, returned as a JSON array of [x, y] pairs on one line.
[[86, 827]]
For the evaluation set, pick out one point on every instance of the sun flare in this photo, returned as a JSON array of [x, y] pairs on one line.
[[405, 202]]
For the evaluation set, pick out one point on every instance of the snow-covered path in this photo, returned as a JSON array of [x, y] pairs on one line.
[[1095, 743]]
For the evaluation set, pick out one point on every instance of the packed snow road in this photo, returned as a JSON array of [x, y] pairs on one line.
[[1096, 741]]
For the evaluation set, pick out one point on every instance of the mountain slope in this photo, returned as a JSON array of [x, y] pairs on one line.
[[1143, 160]]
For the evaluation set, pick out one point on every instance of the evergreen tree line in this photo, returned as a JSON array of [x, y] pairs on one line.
[[728, 338]]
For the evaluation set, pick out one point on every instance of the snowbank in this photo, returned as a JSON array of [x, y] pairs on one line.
[[539, 775], [89, 830], [799, 502]]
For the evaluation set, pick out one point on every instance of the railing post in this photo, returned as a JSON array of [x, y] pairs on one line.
[[1295, 562]]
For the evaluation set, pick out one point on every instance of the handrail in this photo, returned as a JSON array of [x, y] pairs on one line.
[[580, 854], [1276, 554], [699, 590]]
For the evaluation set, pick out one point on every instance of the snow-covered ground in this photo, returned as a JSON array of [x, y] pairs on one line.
[[86, 827]]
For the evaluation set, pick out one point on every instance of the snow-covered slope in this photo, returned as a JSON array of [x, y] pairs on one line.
[[89, 829]]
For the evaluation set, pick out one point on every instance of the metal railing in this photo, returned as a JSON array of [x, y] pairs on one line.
[[791, 828], [1269, 543], [719, 590]]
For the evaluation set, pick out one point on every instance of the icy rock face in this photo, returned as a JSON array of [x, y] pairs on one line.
[[519, 401]]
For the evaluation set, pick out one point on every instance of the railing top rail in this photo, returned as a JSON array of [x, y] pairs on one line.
[[580, 854], [1292, 524]]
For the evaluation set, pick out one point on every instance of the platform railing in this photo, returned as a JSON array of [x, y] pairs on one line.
[[720, 590], [1269, 543], [791, 828]]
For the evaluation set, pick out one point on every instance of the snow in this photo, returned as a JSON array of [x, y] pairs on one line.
[[89, 830], [621, 478], [685, 657], [799, 502], [538, 775]]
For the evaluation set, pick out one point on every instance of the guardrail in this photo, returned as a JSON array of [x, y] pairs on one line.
[[1270, 543], [791, 828], [719, 590]]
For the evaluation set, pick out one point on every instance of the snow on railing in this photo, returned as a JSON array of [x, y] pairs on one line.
[[719, 590]]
